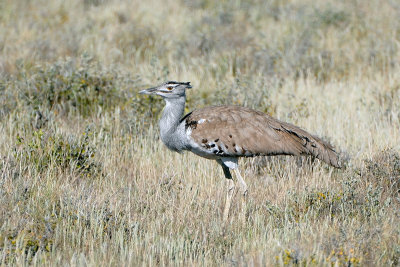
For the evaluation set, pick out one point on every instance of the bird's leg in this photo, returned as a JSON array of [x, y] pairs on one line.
[[243, 189], [230, 192], [229, 196], [243, 185]]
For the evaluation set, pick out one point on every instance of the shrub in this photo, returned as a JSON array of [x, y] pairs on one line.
[[383, 171], [66, 87], [42, 151]]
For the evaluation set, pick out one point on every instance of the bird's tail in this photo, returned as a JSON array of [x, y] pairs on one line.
[[324, 151], [313, 146]]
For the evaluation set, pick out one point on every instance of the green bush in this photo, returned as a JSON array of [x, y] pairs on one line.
[[69, 88], [43, 151], [383, 171]]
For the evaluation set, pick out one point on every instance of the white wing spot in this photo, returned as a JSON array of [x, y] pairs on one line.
[[237, 149]]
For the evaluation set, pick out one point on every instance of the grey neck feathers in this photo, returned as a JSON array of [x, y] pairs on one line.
[[171, 134]]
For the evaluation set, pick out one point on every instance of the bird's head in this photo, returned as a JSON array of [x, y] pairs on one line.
[[168, 89]]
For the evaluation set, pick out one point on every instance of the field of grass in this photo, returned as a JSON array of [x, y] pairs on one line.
[[85, 179]]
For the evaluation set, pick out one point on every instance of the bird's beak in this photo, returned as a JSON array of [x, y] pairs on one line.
[[148, 91]]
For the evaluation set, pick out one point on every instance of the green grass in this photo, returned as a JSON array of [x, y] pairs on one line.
[[85, 180]]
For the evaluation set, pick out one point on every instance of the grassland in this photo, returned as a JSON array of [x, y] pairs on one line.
[[85, 180]]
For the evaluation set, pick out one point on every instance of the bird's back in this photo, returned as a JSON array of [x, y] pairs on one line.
[[234, 131]]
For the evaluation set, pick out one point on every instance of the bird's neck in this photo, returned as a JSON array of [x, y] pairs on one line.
[[171, 116]]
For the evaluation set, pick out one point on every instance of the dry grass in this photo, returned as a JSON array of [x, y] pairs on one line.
[[85, 180]]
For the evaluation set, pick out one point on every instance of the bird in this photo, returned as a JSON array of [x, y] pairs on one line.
[[226, 133]]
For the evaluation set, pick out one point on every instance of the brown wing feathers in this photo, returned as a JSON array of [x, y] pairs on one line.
[[239, 131]]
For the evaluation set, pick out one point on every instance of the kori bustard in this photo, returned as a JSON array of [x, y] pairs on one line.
[[225, 133]]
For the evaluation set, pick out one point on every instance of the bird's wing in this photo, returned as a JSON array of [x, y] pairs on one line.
[[238, 131]]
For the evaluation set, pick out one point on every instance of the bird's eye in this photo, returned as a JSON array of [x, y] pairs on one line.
[[169, 88]]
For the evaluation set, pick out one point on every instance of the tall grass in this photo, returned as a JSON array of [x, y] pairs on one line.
[[85, 180]]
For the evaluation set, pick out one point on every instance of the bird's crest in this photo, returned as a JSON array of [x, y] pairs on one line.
[[182, 83]]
